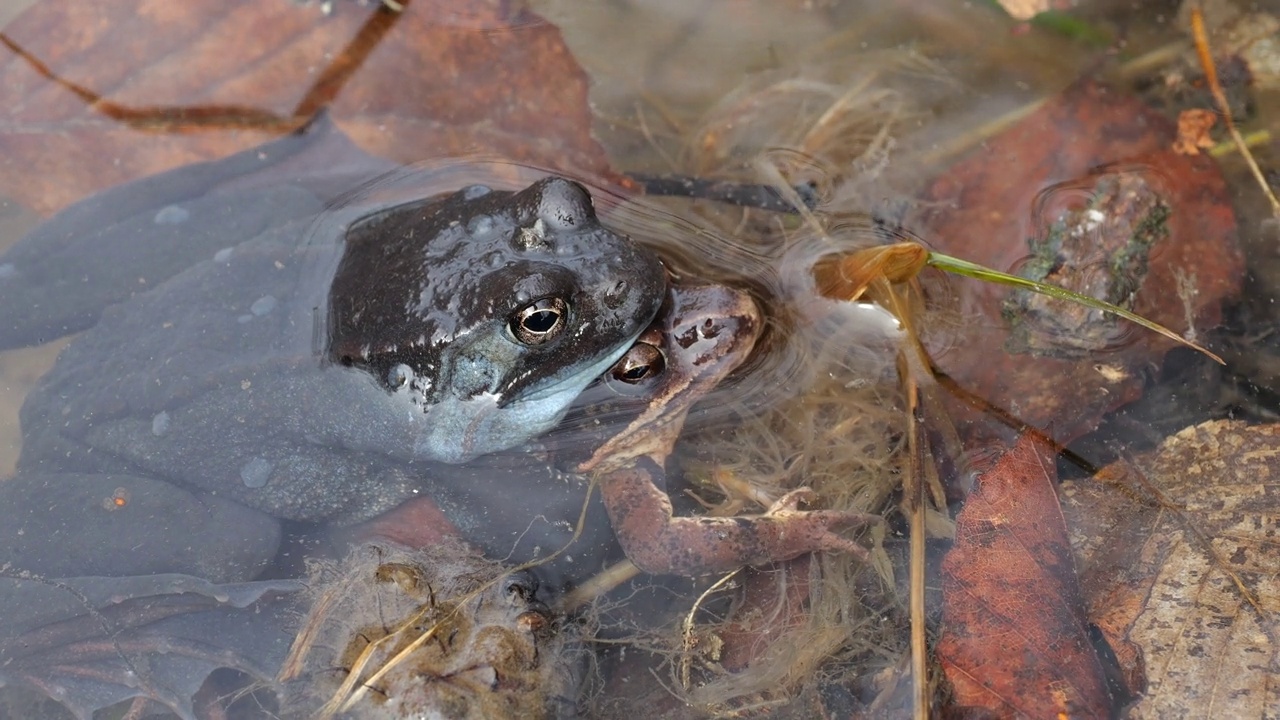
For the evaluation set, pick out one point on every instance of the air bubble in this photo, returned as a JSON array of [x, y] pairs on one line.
[[263, 305], [172, 215], [160, 424], [256, 472]]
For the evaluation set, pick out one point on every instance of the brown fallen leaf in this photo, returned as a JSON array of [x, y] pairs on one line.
[[1015, 641], [1193, 131], [1095, 167], [1180, 568], [145, 86], [1024, 9]]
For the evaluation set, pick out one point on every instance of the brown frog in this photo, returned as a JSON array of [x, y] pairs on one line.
[[621, 431], [701, 338]]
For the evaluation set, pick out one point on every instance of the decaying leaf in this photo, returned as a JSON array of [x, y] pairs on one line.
[[1024, 9], [1091, 170], [1014, 638], [1193, 131], [142, 87], [1180, 567]]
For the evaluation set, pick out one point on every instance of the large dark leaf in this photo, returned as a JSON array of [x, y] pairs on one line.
[[146, 86], [989, 205], [1015, 641]]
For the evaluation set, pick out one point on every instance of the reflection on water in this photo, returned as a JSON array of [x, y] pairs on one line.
[[861, 101]]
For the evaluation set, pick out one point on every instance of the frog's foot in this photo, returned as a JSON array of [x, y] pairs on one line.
[[659, 543], [815, 529]]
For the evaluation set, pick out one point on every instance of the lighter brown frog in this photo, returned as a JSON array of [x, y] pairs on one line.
[[702, 338]]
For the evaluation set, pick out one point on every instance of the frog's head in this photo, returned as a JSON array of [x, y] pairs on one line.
[[638, 408], [489, 311]]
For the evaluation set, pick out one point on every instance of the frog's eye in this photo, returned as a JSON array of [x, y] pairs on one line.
[[399, 376], [642, 361], [540, 322]]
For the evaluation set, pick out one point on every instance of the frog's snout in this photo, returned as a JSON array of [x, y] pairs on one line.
[[726, 317]]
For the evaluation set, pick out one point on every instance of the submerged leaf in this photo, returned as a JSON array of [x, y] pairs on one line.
[[95, 94], [1014, 638], [1180, 567], [1084, 193]]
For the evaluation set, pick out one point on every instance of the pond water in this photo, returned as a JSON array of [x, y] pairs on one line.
[[867, 105]]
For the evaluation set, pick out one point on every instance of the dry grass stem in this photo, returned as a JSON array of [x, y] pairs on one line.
[[1220, 98]]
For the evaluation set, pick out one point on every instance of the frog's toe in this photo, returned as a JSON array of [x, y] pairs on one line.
[[791, 501], [816, 530], [830, 541]]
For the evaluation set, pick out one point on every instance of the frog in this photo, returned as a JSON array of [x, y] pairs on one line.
[[310, 369], [707, 336], [620, 437]]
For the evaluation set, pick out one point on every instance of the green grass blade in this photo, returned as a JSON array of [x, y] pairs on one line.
[[986, 274]]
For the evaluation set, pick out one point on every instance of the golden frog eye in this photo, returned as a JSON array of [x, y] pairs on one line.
[[641, 361], [540, 322]]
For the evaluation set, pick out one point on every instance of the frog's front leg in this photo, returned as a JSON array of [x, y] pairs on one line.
[[658, 542]]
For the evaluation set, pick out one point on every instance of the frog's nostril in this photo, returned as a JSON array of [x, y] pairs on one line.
[[616, 295]]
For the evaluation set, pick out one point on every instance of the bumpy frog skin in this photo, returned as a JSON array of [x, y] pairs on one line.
[[504, 307], [622, 430], [177, 432]]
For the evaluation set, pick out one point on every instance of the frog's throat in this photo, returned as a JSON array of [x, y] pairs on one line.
[[458, 430]]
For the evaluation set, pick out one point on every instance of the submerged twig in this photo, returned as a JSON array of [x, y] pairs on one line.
[[914, 498], [686, 629], [599, 584], [1220, 98]]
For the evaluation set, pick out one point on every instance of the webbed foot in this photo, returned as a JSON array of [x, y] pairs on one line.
[[814, 530], [659, 543]]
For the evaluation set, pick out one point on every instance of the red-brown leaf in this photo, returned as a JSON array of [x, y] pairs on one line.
[[1014, 637], [981, 209], [152, 84]]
